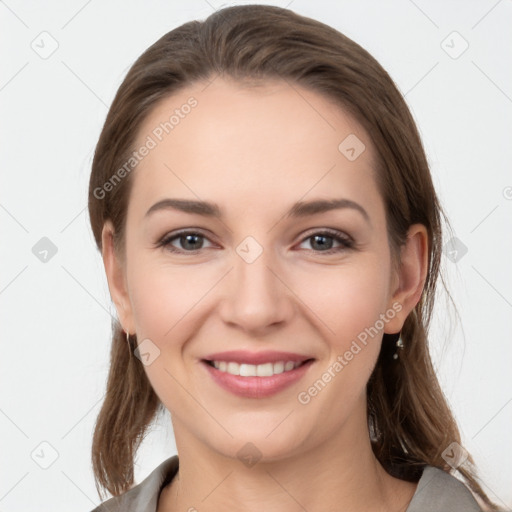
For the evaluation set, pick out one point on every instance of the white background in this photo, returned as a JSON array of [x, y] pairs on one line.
[[55, 316]]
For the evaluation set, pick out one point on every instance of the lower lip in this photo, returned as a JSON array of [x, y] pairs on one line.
[[257, 387]]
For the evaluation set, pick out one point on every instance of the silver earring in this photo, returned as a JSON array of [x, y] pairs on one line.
[[399, 347]]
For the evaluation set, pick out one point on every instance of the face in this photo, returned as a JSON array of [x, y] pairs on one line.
[[294, 297]]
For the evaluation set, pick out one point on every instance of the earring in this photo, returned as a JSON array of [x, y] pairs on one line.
[[129, 344], [399, 346]]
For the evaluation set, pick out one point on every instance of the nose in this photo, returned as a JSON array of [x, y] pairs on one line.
[[257, 297]]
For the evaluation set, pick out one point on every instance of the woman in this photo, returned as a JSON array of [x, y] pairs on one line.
[[272, 239]]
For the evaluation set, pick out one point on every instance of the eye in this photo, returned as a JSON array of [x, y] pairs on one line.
[[323, 241], [192, 241], [189, 241]]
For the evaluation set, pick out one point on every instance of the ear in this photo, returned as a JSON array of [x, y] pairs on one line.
[[115, 272], [408, 282]]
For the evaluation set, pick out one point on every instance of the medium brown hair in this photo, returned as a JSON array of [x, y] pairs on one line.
[[409, 420]]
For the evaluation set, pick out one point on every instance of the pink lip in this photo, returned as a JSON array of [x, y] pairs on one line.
[[256, 387], [268, 356]]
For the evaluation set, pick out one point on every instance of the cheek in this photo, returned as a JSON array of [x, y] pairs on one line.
[[352, 333], [347, 300], [350, 302], [161, 297], [155, 305]]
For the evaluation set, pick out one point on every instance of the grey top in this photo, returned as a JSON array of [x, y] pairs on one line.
[[437, 491]]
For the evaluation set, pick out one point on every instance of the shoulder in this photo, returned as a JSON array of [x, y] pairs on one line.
[[143, 497], [438, 491]]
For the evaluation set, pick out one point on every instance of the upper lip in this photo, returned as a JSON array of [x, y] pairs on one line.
[[268, 356]]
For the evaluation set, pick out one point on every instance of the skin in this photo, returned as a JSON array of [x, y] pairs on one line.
[[255, 151]]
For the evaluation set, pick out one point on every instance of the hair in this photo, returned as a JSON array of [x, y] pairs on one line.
[[409, 419]]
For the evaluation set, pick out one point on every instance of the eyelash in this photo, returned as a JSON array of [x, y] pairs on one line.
[[346, 242]]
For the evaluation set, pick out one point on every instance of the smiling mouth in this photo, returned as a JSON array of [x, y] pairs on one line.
[[256, 370]]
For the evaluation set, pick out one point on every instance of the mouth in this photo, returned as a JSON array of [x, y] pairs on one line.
[[256, 375]]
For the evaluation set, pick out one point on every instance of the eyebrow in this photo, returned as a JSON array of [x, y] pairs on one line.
[[298, 209]]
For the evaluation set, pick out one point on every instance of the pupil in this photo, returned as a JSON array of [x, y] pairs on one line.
[[322, 244], [187, 238]]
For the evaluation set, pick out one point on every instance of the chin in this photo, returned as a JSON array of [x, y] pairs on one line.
[[253, 440]]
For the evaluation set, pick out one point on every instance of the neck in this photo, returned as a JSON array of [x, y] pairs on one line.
[[343, 470]]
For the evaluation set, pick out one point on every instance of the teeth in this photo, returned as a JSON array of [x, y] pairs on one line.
[[278, 367], [233, 368], [288, 366], [264, 370], [246, 370], [255, 370]]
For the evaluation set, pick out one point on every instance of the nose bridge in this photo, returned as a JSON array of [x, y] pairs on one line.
[[258, 298], [252, 268]]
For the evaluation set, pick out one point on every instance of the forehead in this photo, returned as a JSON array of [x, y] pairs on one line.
[[273, 142]]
